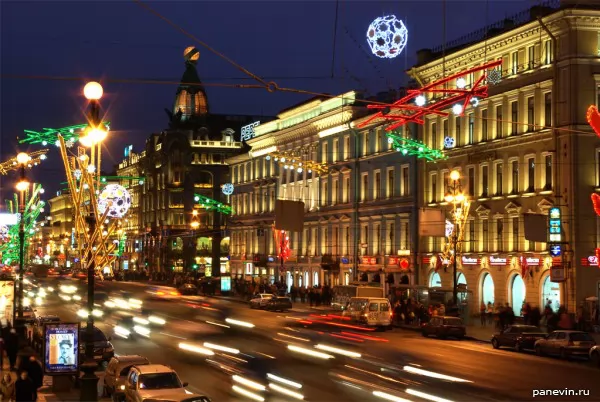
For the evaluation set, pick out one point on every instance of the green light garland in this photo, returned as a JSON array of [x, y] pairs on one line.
[[408, 146], [212, 205], [50, 135]]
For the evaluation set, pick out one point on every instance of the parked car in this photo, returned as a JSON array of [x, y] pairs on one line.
[[188, 289], [103, 349], [152, 381], [37, 335], [565, 344], [519, 337], [278, 303], [595, 356], [260, 300], [180, 398], [117, 372], [443, 327]]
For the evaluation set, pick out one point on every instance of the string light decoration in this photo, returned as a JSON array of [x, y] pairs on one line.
[[593, 118], [408, 146], [406, 109], [387, 37], [33, 206], [283, 240], [114, 201], [50, 135], [105, 179], [295, 161], [460, 215], [212, 205], [35, 158]]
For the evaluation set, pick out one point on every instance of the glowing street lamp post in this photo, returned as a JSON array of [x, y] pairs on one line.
[[22, 187], [455, 196], [95, 134]]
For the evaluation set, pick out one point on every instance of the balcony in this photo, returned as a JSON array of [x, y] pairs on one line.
[[215, 144]]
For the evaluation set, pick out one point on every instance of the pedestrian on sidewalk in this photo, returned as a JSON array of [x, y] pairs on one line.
[[482, 316], [35, 373], [7, 388], [12, 348], [24, 389]]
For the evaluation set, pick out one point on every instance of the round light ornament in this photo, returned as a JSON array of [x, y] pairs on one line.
[[114, 198], [494, 77], [227, 188], [387, 37], [449, 142]]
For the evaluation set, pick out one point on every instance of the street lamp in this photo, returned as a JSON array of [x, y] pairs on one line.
[[195, 224], [457, 198], [22, 186], [93, 136]]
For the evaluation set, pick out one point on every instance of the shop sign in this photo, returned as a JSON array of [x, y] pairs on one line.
[[369, 260], [498, 261], [469, 261], [591, 261], [403, 252], [394, 261], [249, 270], [61, 348], [532, 261], [557, 273], [555, 250], [247, 132], [404, 264], [345, 260]]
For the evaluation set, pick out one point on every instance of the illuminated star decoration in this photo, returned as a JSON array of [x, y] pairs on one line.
[[50, 135], [494, 77], [212, 205], [387, 37], [408, 146], [77, 174], [227, 188], [435, 98]]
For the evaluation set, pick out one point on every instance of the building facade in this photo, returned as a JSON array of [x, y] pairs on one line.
[[60, 239], [524, 149], [357, 223]]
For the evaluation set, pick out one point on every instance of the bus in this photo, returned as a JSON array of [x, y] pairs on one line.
[[343, 293]]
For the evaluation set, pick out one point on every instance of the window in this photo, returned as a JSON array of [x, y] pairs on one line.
[[548, 172], [514, 171], [484, 125], [405, 236], [365, 144], [335, 191], [471, 241], [515, 230], [390, 249], [514, 58], [548, 51], [346, 189], [346, 147], [434, 139], [336, 148], [445, 127], [378, 141], [499, 179], [324, 151], [365, 187], [405, 181], [530, 175], [499, 121], [499, 234], [390, 183], [471, 181], [377, 186], [434, 188], [470, 140], [548, 109], [457, 131], [531, 57], [485, 234], [514, 117], [446, 179], [530, 114], [484, 181]]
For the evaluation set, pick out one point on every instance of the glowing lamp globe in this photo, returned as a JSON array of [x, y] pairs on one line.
[[93, 90], [420, 100], [23, 158], [115, 199], [454, 175], [387, 37]]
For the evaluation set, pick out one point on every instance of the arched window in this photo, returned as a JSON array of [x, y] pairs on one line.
[[487, 289], [517, 294], [315, 278], [550, 294], [435, 280]]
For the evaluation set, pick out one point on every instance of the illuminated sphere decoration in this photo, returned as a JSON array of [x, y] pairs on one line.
[[114, 198], [227, 189], [449, 142], [387, 37]]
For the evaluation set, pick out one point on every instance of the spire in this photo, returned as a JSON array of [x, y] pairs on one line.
[[190, 99]]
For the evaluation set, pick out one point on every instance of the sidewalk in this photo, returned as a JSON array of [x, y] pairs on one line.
[[474, 332], [296, 306]]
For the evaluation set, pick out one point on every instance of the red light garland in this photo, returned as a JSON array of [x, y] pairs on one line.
[[593, 118], [409, 112]]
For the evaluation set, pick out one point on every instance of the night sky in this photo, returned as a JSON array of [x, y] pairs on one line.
[[289, 42]]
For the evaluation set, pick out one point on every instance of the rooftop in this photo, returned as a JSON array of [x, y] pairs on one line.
[[154, 368]]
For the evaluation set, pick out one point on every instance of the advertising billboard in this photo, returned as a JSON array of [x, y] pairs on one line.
[[61, 348], [7, 299]]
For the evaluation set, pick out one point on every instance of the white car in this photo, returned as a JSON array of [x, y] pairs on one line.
[[153, 382], [260, 300], [163, 293]]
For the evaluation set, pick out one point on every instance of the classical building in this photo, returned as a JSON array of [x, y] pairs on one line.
[[60, 221], [358, 212], [524, 149], [179, 164]]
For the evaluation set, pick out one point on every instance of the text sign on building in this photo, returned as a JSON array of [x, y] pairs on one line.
[[248, 131], [469, 261], [555, 250], [557, 273], [591, 261], [532, 261], [498, 261], [555, 226]]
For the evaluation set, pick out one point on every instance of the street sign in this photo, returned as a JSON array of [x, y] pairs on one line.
[[555, 250]]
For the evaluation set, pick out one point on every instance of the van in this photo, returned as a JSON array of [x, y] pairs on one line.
[[371, 311]]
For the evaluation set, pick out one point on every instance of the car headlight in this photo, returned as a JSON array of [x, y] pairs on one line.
[[122, 387]]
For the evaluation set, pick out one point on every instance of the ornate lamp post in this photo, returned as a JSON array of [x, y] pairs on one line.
[[460, 211], [22, 186]]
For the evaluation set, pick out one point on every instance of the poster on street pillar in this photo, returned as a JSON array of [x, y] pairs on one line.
[[61, 348], [7, 300]]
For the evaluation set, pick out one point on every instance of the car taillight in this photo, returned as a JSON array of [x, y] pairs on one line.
[[570, 343], [175, 293]]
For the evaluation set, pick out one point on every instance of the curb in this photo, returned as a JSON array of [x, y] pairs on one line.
[[467, 337]]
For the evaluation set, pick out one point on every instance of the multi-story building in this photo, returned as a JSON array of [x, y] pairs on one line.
[[60, 221], [524, 149], [186, 160], [357, 221]]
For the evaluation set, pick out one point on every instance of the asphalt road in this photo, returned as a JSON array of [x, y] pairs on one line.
[[491, 374]]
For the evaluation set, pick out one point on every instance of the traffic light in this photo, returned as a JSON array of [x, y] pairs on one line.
[[174, 243], [195, 266]]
